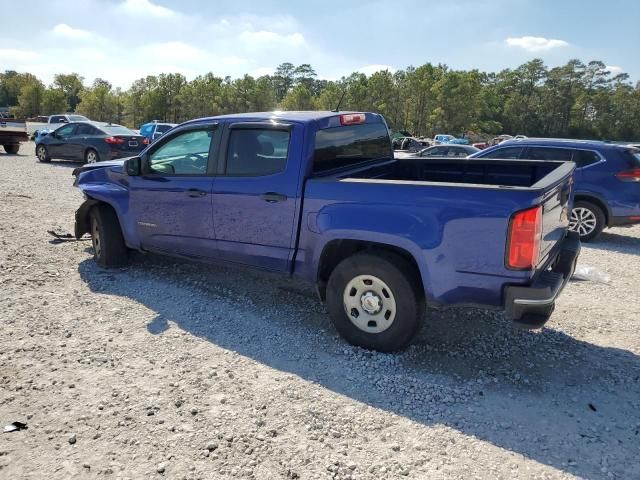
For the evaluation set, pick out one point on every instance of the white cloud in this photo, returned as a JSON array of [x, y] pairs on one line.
[[146, 7], [176, 51], [16, 55], [371, 69], [64, 30], [265, 38], [614, 70], [535, 44]]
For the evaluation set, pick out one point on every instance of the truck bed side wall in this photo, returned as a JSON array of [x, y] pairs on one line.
[[456, 235]]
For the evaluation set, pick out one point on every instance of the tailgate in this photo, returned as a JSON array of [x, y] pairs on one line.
[[557, 200]]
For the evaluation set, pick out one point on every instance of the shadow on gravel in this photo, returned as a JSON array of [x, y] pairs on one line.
[[615, 242], [63, 163], [566, 403]]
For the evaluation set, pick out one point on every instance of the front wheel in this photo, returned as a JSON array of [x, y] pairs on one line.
[[588, 220], [42, 154], [12, 149], [109, 249], [374, 303]]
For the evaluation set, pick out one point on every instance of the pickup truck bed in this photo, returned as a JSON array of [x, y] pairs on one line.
[[318, 195]]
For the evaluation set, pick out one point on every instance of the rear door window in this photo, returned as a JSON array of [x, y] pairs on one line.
[[257, 152], [549, 153], [86, 130], [505, 153], [584, 158]]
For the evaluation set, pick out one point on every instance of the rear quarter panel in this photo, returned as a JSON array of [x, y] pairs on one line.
[[457, 235]]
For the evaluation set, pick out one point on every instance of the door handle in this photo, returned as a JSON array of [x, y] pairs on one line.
[[195, 193], [273, 197]]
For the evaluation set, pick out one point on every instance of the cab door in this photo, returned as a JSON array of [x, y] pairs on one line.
[[255, 194], [59, 141], [171, 201]]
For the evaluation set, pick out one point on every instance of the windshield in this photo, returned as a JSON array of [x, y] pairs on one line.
[[117, 130], [78, 118], [163, 128]]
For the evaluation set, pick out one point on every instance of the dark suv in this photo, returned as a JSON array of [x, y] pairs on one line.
[[607, 192]]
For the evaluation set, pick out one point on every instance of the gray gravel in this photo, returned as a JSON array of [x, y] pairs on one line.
[[175, 370]]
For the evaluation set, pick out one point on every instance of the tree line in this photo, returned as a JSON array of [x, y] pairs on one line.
[[577, 100]]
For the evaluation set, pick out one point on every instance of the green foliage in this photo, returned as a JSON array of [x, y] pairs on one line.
[[71, 85], [574, 100], [54, 100], [99, 102], [30, 98]]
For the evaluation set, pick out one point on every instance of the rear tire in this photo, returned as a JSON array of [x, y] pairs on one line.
[[43, 154], [374, 301], [109, 249], [588, 220], [12, 149], [91, 156]]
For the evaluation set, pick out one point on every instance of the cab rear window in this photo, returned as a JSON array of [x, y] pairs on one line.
[[340, 147]]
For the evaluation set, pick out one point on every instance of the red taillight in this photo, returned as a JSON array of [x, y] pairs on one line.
[[352, 118], [114, 140], [145, 141], [632, 175], [523, 247]]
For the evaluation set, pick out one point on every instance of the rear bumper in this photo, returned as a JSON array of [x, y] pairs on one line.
[[531, 306]]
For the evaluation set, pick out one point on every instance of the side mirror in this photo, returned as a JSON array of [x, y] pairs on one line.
[[133, 166]]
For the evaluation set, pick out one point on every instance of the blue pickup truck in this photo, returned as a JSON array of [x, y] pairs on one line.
[[319, 196]]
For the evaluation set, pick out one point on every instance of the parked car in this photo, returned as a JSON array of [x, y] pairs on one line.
[[54, 121], [441, 139], [318, 195], [448, 151], [12, 132], [89, 142], [499, 139], [154, 130], [409, 144], [607, 188]]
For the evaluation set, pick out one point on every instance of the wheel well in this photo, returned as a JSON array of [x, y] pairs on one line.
[[596, 201], [84, 214], [338, 250]]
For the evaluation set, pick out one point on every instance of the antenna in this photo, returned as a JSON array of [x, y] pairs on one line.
[[344, 92]]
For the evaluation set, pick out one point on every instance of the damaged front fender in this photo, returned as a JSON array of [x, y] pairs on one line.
[[82, 225]]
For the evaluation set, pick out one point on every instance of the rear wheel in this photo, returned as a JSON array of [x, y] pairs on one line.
[[587, 219], [109, 249], [12, 149], [91, 156], [42, 153], [374, 303]]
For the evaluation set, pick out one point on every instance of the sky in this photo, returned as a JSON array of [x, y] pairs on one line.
[[123, 40]]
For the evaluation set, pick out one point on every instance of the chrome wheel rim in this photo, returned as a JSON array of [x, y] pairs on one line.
[[369, 303], [42, 154], [583, 221], [95, 238], [91, 157]]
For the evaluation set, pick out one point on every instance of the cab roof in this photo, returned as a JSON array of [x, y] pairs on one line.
[[294, 116]]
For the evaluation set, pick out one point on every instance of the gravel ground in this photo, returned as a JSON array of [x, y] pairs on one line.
[[173, 370]]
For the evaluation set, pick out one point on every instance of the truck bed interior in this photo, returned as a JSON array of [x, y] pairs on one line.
[[512, 173]]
